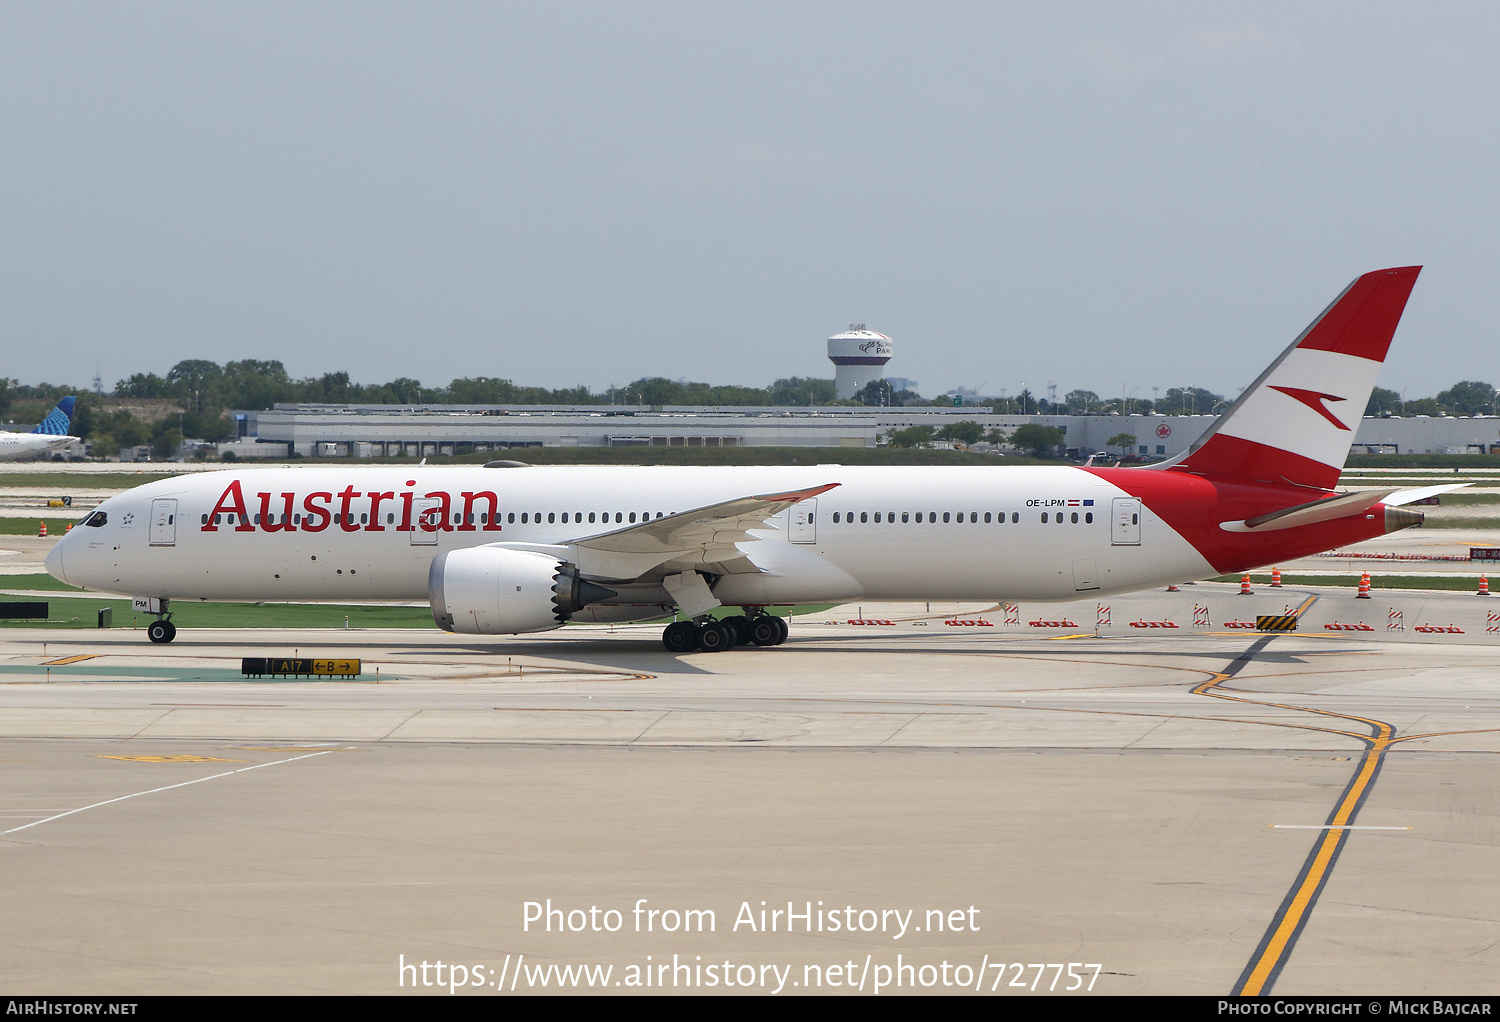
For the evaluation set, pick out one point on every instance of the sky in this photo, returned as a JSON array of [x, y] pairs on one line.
[[1104, 196]]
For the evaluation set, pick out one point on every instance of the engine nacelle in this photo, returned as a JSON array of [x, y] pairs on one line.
[[499, 591]]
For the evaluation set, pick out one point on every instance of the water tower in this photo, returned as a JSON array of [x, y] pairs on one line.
[[858, 356]]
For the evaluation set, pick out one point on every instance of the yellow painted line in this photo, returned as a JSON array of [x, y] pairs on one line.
[[1301, 899], [1328, 826], [68, 660], [172, 759]]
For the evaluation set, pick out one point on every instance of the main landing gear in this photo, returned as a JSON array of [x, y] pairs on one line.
[[709, 636]]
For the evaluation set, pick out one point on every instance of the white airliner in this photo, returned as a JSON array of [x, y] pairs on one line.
[[51, 434], [504, 550]]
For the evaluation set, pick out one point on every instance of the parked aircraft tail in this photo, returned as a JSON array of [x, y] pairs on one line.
[[59, 419], [1295, 424]]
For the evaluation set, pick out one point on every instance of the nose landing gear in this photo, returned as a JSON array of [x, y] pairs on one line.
[[162, 629]]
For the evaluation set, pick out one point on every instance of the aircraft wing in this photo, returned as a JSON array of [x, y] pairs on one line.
[[699, 540]]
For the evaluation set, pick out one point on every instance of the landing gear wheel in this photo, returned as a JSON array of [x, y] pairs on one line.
[[161, 631], [714, 637], [739, 627], [764, 631], [782, 627], [680, 637]]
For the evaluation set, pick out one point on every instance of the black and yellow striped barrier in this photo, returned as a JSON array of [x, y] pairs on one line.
[[1276, 622]]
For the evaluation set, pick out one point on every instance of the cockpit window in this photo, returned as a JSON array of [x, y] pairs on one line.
[[96, 519]]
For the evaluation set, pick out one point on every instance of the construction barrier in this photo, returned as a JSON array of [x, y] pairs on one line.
[[1394, 621], [1239, 624], [869, 621], [1012, 614], [1153, 624], [1101, 615], [1349, 554], [1492, 623], [1334, 626], [1052, 624], [1438, 628], [1276, 622], [978, 622], [1200, 617]]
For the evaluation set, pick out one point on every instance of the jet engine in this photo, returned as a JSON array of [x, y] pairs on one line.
[[499, 591]]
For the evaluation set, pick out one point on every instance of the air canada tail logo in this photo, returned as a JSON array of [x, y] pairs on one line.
[[1314, 400]]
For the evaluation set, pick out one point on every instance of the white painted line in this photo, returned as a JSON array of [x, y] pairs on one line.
[[169, 787], [1309, 826]]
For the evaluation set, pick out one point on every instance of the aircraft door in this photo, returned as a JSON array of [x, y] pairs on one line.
[[1085, 576], [804, 521], [1125, 523], [164, 522], [424, 521]]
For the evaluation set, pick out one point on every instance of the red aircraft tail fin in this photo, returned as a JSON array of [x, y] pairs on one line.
[[1295, 423]]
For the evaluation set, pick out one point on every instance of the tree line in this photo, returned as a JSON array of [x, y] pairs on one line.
[[206, 391]]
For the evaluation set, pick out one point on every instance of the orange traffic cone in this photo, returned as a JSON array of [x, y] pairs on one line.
[[1275, 578], [67, 528], [1484, 586], [1173, 589], [1364, 587], [42, 532], [1245, 585]]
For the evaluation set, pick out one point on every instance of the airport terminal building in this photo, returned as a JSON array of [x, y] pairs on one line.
[[365, 431]]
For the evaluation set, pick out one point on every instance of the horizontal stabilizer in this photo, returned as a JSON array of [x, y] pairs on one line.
[[1402, 497], [1338, 506]]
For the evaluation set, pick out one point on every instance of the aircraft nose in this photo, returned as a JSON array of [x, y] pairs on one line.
[[54, 562]]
